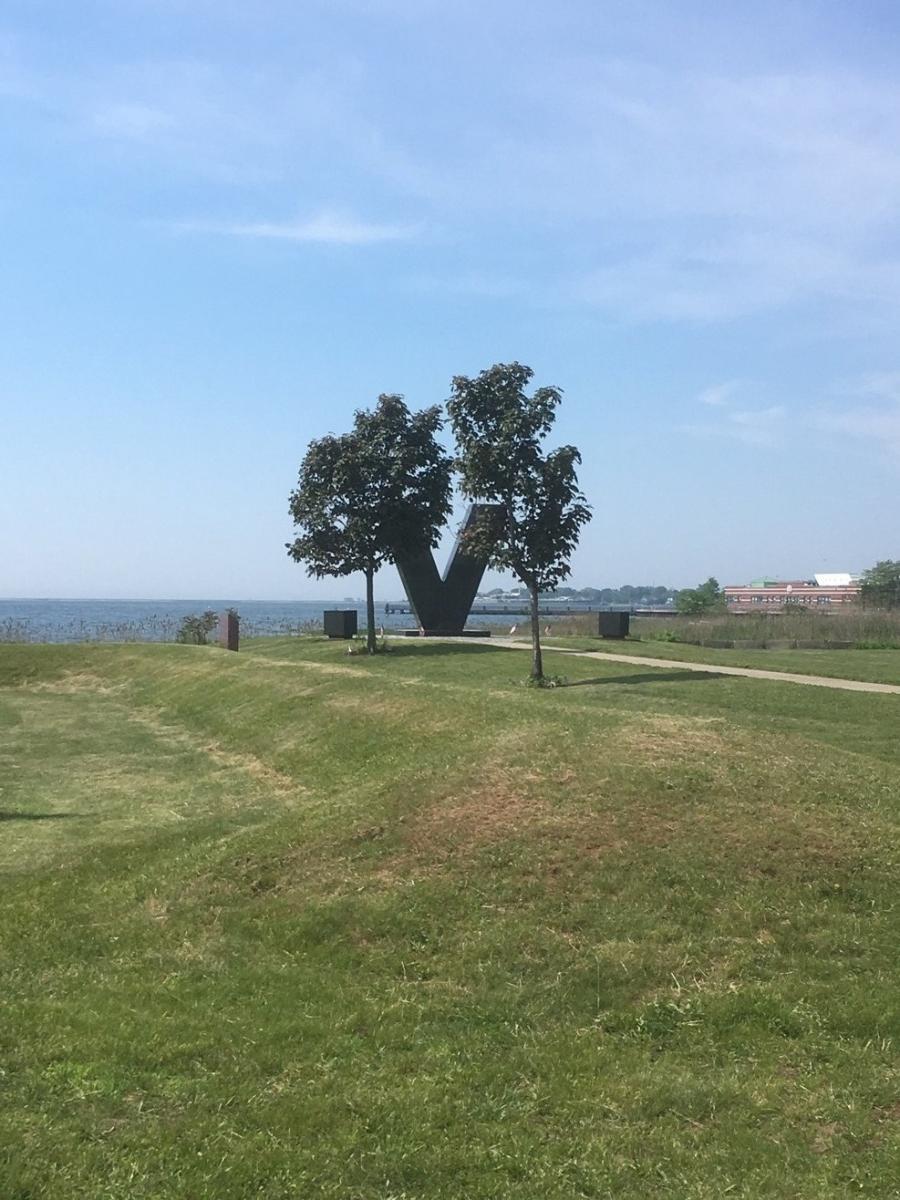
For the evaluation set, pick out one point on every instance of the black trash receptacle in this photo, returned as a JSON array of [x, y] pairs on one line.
[[613, 624], [341, 622]]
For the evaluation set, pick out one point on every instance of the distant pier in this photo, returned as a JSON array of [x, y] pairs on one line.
[[550, 608]]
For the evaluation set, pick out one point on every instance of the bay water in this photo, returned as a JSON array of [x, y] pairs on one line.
[[35, 620]]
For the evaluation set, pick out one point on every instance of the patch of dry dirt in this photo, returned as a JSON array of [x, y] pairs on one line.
[[76, 682], [276, 781], [662, 739], [595, 805]]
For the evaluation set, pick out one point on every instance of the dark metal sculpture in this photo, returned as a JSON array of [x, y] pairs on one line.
[[442, 604]]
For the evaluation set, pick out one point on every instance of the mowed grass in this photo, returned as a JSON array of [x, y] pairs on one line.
[[289, 923], [871, 666]]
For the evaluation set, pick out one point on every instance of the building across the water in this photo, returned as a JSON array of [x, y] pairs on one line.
[[828, 588]]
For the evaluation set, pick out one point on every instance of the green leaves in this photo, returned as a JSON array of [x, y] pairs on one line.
[[881, 585], [360, 496], [705, 598], [363, 497], [195, 630], [384, 488], [499, 430]]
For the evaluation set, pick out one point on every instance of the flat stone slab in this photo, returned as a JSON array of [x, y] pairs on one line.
[[433, 633]]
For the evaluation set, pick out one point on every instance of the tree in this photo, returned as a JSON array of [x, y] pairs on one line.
[[880, 587], [703, 599], [367, 494], [499, 431], [195, 630]]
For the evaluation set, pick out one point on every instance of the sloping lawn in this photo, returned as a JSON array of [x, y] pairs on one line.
[[871, 666], [295, 924]]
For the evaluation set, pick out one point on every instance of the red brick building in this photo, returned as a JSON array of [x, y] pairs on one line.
[[825, 589]]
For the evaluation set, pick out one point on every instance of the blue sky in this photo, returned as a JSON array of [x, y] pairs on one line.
[[227, 225]]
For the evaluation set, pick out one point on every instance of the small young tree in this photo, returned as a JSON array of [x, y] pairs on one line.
[[706, 598], [194, 630], [364, 495], [880, 587], [499, 431]]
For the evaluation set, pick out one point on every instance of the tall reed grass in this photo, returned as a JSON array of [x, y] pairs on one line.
[[153, 628], [863, 629]]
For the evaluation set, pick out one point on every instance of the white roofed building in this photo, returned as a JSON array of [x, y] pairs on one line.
[[836, 579], [826, 588]]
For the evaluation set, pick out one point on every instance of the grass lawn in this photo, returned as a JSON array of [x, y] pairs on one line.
[[872, 666], [291, 924]]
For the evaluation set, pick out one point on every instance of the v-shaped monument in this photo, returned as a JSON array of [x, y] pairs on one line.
[[442, 603]]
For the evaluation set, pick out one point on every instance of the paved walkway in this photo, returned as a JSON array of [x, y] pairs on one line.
[[669, 664]]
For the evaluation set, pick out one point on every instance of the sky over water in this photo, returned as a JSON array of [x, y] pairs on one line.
[[226, 226]]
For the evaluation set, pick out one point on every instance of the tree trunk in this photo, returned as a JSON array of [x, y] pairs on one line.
[[537, 662], [371, 644]]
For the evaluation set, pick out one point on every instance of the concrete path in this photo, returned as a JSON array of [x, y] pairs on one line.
[[669, 664]]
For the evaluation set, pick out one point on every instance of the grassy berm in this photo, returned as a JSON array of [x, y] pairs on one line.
[[293, 924]]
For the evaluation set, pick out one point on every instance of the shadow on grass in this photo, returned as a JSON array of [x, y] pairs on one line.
[[397, 647], [21, 816], [424, 647], [655, 677]]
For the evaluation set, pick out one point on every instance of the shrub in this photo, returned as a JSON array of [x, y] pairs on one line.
[[545, 681], [194, 630], [706, 598], [360, 645]]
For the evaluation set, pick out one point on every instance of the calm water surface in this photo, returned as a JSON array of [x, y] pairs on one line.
[[158, 620]]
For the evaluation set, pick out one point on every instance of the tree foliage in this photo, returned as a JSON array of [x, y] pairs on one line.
[[707, 597], [364, 495], [880, 586], [194, 630], [499, 432]]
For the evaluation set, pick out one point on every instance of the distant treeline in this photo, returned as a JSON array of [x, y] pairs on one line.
[[639, 595]]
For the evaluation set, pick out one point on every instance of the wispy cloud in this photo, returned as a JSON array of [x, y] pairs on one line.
[[883, 385], [868, 412], [739, 274], [217, 118], [329, 228], [719, 394], [674, 192], [727, 195], [759, 426], [873, 414]]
